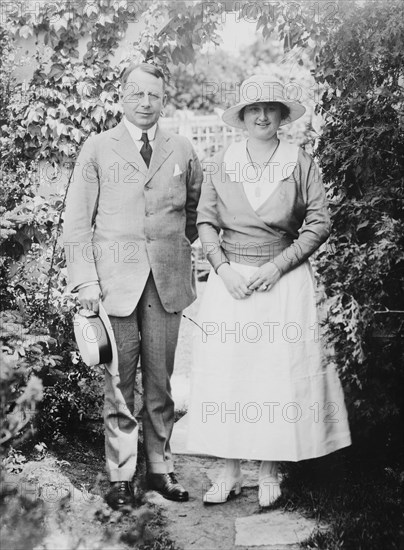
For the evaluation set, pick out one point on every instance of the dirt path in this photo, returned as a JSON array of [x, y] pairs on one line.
[[193, 525]]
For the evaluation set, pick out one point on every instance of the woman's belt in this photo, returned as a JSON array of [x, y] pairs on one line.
[[255, 253]]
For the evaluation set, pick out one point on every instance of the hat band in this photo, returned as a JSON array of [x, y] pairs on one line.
[[105, 348], [100, 335]]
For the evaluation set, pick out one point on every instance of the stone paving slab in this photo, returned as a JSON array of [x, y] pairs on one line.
[[235, 525], [275, 529]]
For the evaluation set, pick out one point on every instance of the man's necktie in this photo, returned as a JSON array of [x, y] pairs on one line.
[[146, 150]]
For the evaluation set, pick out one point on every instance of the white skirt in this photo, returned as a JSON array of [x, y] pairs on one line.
[[260, 388]]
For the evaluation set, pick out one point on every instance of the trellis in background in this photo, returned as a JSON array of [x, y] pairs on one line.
[[207, 133]]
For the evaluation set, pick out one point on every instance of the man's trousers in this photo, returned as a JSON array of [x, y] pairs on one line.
[[150, 333]]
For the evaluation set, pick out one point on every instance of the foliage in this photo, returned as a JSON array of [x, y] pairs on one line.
[[72, 97], [359, 507], [211, 82], [36, 322], [361, 154], [19, 393], [213, 79]]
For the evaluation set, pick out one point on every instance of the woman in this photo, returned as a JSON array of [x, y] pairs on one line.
[[261, 389]]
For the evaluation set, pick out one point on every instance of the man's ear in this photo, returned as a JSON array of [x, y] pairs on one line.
[[164, 100]]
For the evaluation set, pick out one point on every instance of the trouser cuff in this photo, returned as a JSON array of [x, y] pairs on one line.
[[120, 475]]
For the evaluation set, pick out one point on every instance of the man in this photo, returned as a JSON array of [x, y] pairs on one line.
[[128, 228]]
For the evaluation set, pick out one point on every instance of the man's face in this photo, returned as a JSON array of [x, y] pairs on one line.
[[142, 99]]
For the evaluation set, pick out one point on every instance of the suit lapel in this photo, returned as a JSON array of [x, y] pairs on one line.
[[126, 148], [162, 149]]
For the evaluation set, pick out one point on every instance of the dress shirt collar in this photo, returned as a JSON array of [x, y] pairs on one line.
[[136, 133]]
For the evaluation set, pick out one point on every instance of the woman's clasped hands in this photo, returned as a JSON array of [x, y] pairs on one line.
[[236, 284], [239, 287], [264, 278]]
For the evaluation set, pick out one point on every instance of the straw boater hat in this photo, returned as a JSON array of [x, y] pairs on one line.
[[95, 339], [258, 89]]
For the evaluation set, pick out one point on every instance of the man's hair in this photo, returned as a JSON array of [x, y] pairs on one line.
[[146, 68], [285, 111]]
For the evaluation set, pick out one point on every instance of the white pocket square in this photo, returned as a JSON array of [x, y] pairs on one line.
[[177, 170]]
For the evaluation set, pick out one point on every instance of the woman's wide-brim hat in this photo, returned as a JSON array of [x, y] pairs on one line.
[[95, 339], [260, 89]]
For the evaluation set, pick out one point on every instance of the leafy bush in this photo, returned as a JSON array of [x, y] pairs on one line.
[[19, 393], [361, 154], [36, 322]]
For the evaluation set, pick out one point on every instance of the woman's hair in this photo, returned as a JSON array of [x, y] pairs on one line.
[[285, 111], [146, 68]]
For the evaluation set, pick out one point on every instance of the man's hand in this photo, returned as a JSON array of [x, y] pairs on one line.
[[89, 297], [235, 283], [264, 278]]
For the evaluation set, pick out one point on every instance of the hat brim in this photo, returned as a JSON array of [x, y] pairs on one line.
[[96, 341], [231, 115], [112, 367]]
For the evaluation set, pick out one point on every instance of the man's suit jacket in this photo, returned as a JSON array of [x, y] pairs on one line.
[[123, 219]]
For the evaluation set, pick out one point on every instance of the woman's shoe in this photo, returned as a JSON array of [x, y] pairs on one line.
[[222, 489], [269, 490]]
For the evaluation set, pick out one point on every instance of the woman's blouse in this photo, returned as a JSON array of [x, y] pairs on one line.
[[269, 232], [259, 183]]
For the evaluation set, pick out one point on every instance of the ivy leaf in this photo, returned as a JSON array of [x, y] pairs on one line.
[[98, 114], [77, 135], [62, 129], [25, 31], [56, 71], [33, 116], [60, 23], [90, 9]]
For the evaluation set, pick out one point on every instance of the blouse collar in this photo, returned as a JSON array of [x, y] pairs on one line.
[[282, 165]]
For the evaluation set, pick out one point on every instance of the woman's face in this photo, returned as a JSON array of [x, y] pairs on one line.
[[262, 120]]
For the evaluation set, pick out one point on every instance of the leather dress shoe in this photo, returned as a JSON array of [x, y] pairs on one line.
[[168, 486], [120, 494]]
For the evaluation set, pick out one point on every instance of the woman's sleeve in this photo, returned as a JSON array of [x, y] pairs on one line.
[[316, 228], [208, 224]]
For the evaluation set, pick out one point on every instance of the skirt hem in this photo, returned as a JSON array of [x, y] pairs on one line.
[[342, 444]]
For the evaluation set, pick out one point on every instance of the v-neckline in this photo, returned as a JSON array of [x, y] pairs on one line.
[[278, 186], [269, 196]]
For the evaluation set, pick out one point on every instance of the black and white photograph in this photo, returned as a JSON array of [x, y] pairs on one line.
[[202, 274]]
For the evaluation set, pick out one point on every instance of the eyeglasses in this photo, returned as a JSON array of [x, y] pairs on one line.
[[134, 95]]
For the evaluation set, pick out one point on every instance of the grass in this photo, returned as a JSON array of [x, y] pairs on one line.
[[361, 502]]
